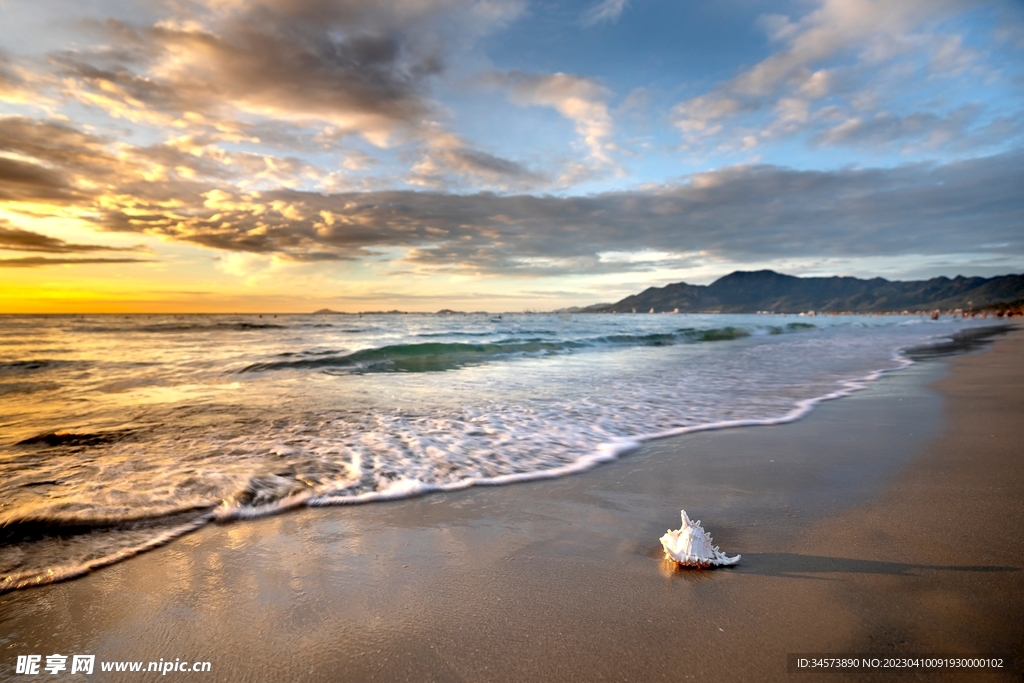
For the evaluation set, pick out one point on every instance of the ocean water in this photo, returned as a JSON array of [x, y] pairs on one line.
[[120, 433]]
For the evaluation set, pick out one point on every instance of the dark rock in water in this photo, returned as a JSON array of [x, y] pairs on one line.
[[71, 439]]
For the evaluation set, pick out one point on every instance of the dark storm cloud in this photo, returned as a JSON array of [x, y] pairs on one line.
[[49, 140], [263, 59], [16, 239], [484, 163], [50, 161], [109, 72], [960, 130], [297, 73], [39, 261], [739, 213], [357, 65], [25, 181], [44, 159], [886, 128], [448, 153]]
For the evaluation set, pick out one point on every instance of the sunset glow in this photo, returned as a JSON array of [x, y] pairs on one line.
[[291, 155]]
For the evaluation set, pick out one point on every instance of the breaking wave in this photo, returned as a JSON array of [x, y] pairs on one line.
[[441, 356]]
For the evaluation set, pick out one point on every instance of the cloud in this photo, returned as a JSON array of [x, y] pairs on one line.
[[13, 84], [884, 129], [26, 181], [742, 213], [738, 213], [879, 28], [47, 161], [448, 155], [703, 114], [577, 98], [225, 78], [16, 239], [606, 11], [54, 162], [265, 63], [360, 68], [218, 80], [841, 56], [39, 261]]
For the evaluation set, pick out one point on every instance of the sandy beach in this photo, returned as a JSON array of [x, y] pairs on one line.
[[888, 522]]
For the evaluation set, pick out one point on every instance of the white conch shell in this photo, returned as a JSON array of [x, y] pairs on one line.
[[691, 546]]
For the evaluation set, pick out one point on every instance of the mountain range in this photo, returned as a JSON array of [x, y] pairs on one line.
[[766, 290]]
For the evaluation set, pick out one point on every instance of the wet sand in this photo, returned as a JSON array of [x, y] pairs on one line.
[[891, 521]]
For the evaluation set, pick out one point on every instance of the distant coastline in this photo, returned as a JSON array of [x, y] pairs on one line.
[[767, 291]]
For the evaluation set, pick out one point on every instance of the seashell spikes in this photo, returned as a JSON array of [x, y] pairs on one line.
[[691, 546]]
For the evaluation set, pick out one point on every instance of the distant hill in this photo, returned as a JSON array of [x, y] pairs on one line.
[[766, 290]]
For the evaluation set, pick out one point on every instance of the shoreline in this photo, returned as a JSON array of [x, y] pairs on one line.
[[562, 579], [963, 341]]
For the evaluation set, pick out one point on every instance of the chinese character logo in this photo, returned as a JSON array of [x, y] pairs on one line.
[[28, 664], [56, 663], [82, 664]]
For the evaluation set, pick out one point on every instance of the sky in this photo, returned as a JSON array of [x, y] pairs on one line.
[[500, 155]]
